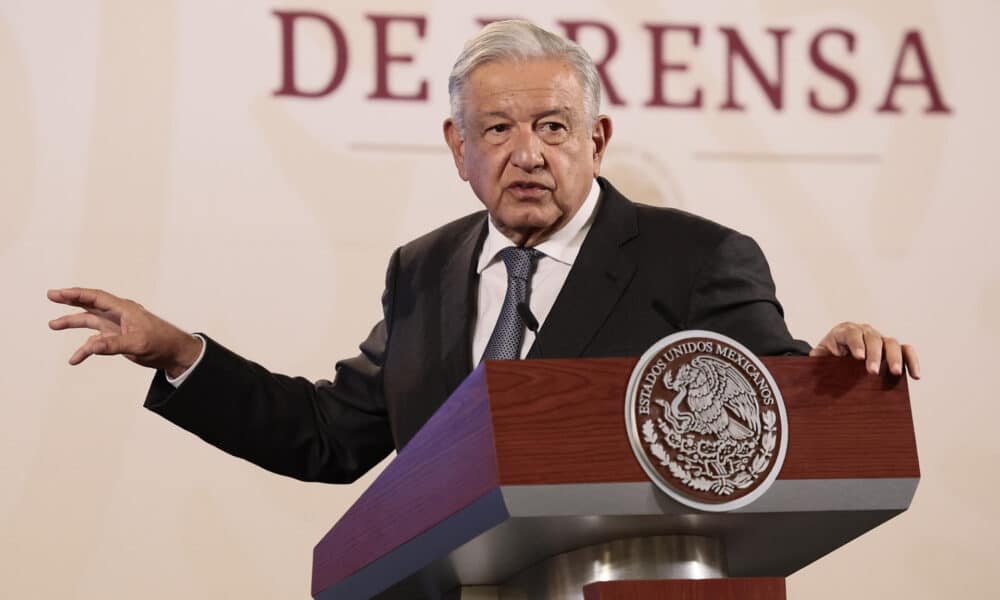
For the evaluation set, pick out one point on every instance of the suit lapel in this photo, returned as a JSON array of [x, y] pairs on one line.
[[459, 285], [600, 274]]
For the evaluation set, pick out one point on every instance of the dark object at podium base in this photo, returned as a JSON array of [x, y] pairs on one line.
[[740, 588]]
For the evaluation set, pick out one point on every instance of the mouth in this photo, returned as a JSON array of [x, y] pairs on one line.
[[527, 188]]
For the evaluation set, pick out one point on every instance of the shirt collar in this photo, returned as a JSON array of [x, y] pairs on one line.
[[563, 245]]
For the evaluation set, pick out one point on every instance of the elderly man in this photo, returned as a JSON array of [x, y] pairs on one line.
[[556, 246]]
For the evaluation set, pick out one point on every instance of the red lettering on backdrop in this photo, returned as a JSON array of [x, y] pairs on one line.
[[919, 74], [661, 66], [383, 58], [834, 72], [773, 89], [572, 29], [288, 85], [926, 79]]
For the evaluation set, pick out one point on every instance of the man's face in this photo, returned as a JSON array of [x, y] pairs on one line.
[[528, 148]]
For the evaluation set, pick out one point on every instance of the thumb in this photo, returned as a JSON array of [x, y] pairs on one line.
[[111, 345]]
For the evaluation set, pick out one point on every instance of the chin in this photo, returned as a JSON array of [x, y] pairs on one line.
[[527, 219]]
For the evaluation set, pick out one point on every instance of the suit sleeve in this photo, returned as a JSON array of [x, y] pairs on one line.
[[332, 431], [734, 294]]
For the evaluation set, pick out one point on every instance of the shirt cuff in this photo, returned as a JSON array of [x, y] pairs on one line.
[[177, 381]]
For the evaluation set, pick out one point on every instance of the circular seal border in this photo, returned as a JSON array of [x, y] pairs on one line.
[[632, 431]]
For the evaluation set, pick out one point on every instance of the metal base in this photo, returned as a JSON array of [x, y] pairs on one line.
[[563, 576]]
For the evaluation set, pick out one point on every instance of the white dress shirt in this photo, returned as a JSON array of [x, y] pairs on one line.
[[176, 382], [558, 255]]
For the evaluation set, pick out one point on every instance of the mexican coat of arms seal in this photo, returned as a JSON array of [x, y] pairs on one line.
[[706, 420]]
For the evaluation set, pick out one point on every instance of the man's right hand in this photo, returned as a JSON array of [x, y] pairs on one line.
[[124, 327]]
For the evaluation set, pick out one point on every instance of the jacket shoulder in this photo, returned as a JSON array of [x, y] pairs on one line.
[[680, 226], [659, 225], [437, 247]]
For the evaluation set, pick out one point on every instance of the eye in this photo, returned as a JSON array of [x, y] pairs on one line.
[[496, 133], [553, 132]]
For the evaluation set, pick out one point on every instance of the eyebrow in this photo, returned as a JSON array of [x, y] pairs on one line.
[[563, 110], [495, 113]]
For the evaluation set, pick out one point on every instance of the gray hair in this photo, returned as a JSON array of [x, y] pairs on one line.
[[520, 41]]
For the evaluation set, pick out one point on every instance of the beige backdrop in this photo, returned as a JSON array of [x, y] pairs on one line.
[[141, 150]]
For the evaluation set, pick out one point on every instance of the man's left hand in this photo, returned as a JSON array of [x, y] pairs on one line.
[[864, 342]]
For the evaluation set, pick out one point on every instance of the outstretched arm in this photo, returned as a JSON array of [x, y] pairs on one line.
[[327, 431]]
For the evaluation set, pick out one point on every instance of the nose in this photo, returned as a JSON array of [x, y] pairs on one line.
[[526, 153]]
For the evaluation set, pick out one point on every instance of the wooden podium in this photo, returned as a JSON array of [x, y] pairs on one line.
[[524, 485]]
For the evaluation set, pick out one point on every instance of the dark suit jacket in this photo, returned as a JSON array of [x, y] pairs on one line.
[[642, 273]]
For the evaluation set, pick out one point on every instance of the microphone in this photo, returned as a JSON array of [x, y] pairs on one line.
[[529, 320]]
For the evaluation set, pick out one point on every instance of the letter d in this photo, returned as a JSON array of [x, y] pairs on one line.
[[288, 85]]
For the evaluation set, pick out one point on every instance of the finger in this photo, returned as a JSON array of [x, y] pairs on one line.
[[103, 344], [63, 295], [873, 349], [851, 336], [893, 355], [820, 351], [85, 298], [80, 321], [912, 361], [112, 345], [84, 351], [829, 344]]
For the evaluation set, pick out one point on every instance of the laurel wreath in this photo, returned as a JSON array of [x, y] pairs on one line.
[[723, 486]]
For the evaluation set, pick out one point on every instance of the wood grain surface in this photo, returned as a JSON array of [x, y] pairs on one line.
[[563, 421]]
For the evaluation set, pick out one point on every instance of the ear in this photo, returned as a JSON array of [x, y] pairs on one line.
[[600, 137], [453, 137]]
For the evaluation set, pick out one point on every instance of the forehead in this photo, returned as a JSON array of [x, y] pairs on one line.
[[534, 85]]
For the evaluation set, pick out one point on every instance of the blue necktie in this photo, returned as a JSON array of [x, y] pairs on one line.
[[505, 341]]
